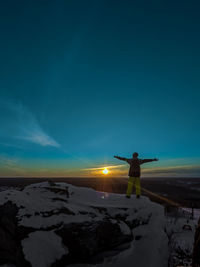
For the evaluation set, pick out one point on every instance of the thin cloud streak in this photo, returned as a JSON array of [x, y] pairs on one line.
[[106, 166], [8, 162], [11, 166], [24, 124], [36, 135], [170, 171]]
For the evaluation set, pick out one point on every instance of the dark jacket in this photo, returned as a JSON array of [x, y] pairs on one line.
[[135, 163]]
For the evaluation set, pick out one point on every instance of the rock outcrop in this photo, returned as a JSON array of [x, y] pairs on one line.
[[57, 224]]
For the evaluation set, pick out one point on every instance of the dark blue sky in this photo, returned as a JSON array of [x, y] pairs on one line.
[[81, 81]]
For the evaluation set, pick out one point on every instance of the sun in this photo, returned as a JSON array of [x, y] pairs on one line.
[[105, 171]]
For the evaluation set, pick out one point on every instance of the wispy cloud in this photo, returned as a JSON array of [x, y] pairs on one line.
[[36, 135], [160, 171], [8, 162], [20, 123], [11, 166], [106, 166]]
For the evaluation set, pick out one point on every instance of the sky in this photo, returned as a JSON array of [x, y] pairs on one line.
[[82, 81]]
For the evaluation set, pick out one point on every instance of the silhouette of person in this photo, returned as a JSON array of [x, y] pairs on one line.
[[134, 173]]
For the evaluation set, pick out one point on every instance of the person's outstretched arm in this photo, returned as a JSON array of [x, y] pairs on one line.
[[148, 160], [120, 158]]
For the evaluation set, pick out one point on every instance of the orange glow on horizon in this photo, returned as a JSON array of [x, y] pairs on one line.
[[105, 171]]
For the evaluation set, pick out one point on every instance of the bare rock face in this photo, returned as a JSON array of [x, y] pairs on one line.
[[196, 248], [88, 239], [10, 237]]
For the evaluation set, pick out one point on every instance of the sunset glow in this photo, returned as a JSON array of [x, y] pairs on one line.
[[105, 171]]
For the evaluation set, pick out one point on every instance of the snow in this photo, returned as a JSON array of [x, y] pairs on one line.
[[36, 200], [124, 228], [40, 208], [42, 248], [181, 240], [196, 212]]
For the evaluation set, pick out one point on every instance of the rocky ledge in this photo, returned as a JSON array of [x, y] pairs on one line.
[[57, 224]]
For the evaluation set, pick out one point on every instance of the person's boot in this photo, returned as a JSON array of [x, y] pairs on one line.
[[128, 196], [138, 196]]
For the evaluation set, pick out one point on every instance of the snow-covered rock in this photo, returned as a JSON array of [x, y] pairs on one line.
[[196, 247], [57, 224], [180, 232]]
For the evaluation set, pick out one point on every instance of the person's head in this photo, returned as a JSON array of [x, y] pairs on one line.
[[135, 155]]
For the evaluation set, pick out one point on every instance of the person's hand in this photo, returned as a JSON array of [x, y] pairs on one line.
[[156, 159]]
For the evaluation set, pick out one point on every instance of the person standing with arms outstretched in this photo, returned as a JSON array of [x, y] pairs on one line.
[[134, 173]]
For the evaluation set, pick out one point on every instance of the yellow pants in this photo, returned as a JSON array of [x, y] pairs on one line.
[[136, 182]]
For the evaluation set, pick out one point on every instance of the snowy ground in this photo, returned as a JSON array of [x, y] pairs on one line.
[[196, 214], [43, 247]]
